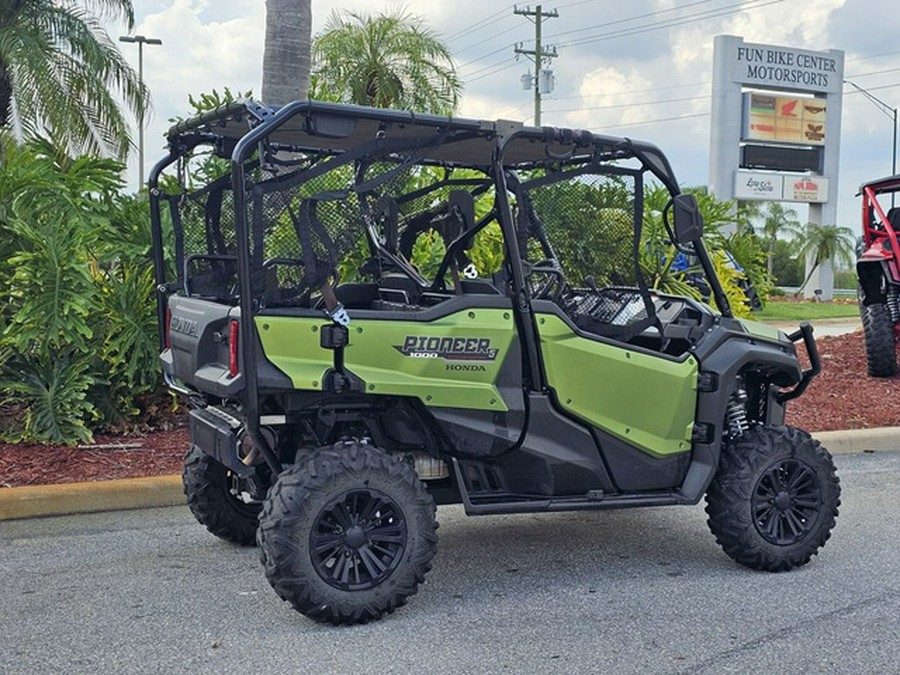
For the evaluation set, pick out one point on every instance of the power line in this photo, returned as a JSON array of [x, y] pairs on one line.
[[883, 86], [481, 44], [629, 18], [478, 25], [874, 72], [634, 105], [669, 23], [496, 51], [648, 90], [656, 120], [493, 67], [497, 68], [872, 56]]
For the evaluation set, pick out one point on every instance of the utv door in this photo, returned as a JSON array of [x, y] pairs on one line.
[[639, 405]]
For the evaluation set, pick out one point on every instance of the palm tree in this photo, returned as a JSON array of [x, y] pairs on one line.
[[61, 74], [777, 219], [826, 242], [388, 61], [286, 57]]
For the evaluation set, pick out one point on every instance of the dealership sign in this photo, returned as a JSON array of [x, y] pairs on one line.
[[774, 187], [783, 119], [758, 186], [809, 189], [772, 67]]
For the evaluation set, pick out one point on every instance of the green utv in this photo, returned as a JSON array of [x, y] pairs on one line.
[[372, 312]]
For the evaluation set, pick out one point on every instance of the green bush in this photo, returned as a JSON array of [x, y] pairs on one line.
[[79, 322]]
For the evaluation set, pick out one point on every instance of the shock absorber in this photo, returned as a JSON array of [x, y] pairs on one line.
[[893, 302], [736, 413]]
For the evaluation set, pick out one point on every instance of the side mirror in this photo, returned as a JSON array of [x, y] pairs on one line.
[[688, 221]]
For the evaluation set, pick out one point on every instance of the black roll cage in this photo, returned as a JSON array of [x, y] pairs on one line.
[[238, 130]]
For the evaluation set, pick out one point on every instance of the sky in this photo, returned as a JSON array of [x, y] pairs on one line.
[[641, 69]]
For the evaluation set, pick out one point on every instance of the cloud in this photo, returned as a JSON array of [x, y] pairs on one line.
[[643, 78]]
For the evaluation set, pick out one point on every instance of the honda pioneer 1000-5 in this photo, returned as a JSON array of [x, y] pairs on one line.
[[371, 312]]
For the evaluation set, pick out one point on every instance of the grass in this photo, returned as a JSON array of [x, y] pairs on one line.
[[805, 311]]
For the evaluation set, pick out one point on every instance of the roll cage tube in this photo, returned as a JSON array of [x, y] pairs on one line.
[[521, 304], [870, 200], [159, 262], [657, 163], [242, 152]]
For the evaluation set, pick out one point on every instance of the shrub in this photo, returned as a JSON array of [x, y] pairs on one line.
[[79, 323]]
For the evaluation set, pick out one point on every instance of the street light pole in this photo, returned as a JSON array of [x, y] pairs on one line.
[[141, 41]]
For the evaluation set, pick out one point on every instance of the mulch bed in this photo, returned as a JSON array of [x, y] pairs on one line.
[[842, 397], [158, 453]]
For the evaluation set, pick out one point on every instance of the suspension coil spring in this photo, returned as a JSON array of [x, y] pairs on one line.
[[893, 303], [736, 414]]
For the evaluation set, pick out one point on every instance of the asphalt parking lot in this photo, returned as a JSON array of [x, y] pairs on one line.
[[639, 591]]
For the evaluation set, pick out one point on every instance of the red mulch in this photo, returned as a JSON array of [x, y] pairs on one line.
[[842, 397], [126, 456]]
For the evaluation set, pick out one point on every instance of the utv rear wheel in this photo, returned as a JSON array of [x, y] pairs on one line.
[[774, 500], [209, 488], [881, 348], [347, 535]]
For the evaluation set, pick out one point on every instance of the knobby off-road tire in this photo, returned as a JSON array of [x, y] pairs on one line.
[[774, 499], [881, 348], [207, 485], [348, 534]]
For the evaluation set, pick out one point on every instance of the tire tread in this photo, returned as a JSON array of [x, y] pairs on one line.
[[728, 500]]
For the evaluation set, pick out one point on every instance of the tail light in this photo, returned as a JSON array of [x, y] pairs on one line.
[[233, 348], [168, 336]]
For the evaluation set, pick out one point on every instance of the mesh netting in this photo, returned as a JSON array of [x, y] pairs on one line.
[[311, 220], [588, 224], [205, 243], [380, 210]]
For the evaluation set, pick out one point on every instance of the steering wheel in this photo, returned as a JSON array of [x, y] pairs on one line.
[[552, 288]]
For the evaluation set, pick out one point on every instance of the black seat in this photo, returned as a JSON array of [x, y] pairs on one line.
[[893, 218]]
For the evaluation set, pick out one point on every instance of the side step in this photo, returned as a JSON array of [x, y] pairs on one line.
[[498, 503]]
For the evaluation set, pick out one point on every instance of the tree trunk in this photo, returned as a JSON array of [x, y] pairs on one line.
[[770, 256], [806, 280], [286, 60], [5, 96]]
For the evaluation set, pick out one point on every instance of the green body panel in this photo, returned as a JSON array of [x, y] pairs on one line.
[[760, 330], [643, 399], [380, 353], [292, 344]]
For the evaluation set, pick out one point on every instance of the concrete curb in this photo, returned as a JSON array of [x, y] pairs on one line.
[[860, 440], [34, 501], [135, 493]]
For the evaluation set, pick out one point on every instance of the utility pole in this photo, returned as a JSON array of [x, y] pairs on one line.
[[538, 53]]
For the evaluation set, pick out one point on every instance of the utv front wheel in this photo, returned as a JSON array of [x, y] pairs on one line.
[[878, 331], [774, 499], [348, 534], [210, 488]]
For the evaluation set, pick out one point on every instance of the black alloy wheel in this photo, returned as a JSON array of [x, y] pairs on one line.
[[786, 502], [358, 540]]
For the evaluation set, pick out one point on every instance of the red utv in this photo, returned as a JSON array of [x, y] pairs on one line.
[[878, 267]]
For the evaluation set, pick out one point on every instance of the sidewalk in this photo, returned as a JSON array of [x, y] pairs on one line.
[[821, 327], [114, 495]]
